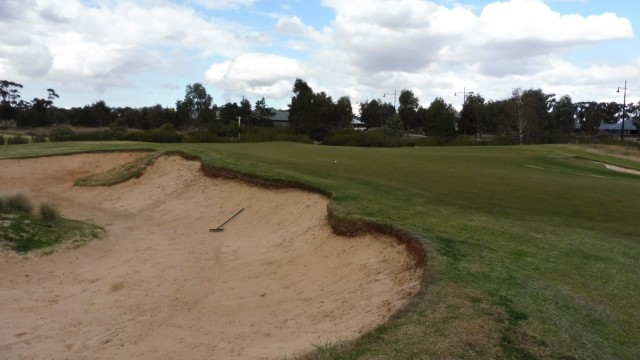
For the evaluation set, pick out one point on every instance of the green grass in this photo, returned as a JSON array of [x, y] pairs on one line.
[[531, 252]]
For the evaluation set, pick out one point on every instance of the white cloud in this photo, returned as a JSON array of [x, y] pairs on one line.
[[292, 25], [408, 35], [255, 73], [223, 4], [105, 43], [532, 19], [370, 46]]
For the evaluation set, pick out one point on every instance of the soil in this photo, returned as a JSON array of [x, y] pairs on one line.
[[160, 285]]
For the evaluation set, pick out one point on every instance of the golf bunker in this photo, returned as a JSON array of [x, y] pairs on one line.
[[274, 283]]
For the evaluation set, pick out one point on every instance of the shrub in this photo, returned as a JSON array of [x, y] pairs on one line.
[[62, 133], [1, 139], [204, 137], [164, 134], [49, 212], [371, 138], [18, 140], [19, 201], [39, 138]]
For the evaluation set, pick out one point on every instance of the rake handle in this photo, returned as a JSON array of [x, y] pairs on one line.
[[219, 228]]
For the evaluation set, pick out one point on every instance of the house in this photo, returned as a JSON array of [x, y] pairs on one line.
[[615, 129], [358, 124], [630, 129], [280, 118]]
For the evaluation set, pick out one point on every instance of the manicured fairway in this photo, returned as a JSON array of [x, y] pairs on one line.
[[532, 252]]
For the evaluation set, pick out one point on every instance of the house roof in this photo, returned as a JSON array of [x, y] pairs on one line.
[[628, 125], [280, 115]]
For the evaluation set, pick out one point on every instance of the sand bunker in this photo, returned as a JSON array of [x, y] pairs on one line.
[[159, 285], [621, 169]]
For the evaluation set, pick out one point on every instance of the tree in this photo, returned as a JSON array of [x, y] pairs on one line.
[[537, 107], [408, 108], [229, 113], [262, 114], [322, 111], [10, 99], [633, 111], [100, 114], [440, 120], [196, 108], [590, 115], [343, 113], [156, 116], [562, 116], [134, 118], [472, 115], [300, 107], [52, 96], [394, 124], [245, 112], [370, 114], [612, 110], [375, 113], [310, 113]]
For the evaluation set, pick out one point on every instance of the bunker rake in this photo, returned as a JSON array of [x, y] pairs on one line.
[[219, 228]]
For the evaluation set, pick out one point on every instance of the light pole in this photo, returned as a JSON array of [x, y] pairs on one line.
[[394, 98], [624, 109], [466, 93]]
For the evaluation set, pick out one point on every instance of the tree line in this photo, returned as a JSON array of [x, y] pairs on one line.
[[527, 116], [195, 112]]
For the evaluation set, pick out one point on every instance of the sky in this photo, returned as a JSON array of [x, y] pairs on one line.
[[145, 52]]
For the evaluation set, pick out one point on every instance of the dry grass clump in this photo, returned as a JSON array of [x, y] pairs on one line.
[[18, 201], [49, 212], [4, 204], [21, 202]]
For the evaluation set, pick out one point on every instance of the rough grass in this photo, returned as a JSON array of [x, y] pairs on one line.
[[49, 212], [530, 252], [19, 201], [120, 174]]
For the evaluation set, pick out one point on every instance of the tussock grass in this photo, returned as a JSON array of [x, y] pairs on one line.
[[4, 204], [49, 212], [19, 201]]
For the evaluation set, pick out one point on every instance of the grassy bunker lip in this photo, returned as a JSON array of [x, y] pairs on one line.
[[120, 174], [348, 227]]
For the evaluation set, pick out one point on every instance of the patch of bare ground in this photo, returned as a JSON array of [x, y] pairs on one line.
[[275, 282]]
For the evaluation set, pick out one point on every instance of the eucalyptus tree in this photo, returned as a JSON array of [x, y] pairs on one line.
[[408, 109], [375, 113], [440, 120], [196, 108], [262, 114], [9, 99], [472, 115]]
